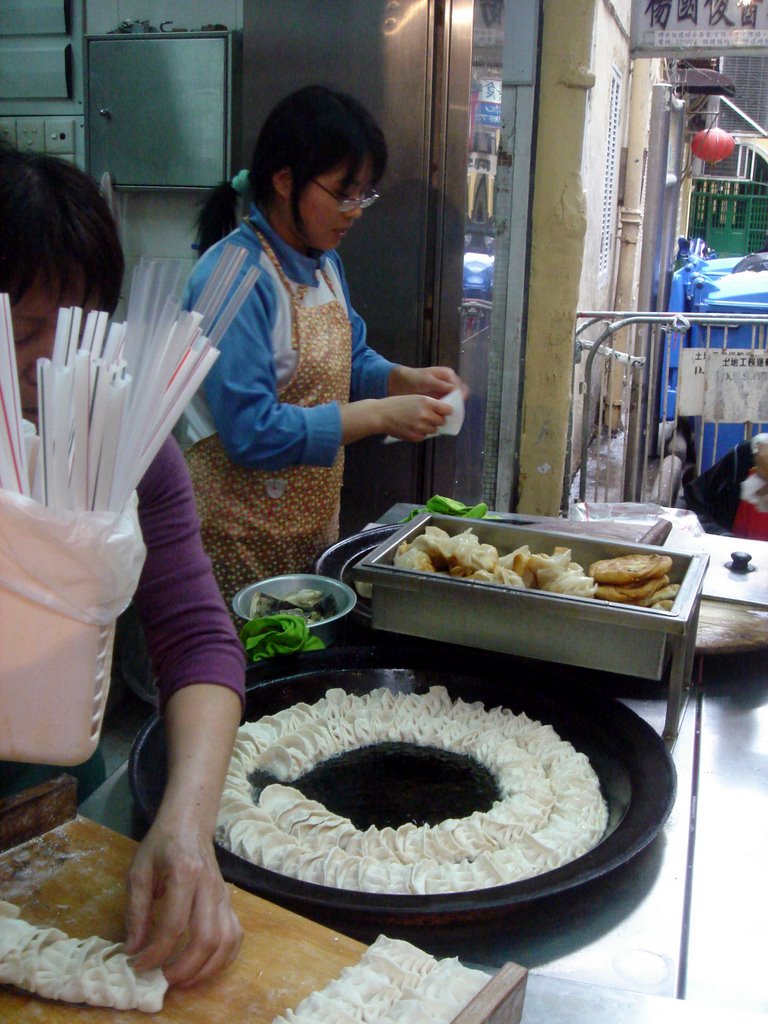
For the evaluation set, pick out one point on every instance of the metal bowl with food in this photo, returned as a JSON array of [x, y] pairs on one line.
[[322, 602]]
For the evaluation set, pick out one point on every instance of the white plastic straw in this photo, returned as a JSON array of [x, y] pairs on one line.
[[233, 306], [105, 408], [13, 461], [104, 471], [61, 339], [80, 417], [218, 284], [74, 336], [175, 410], [46, 419]]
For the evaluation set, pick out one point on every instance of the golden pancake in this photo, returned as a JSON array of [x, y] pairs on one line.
[[668, 593], [631, 593], [630, 568]]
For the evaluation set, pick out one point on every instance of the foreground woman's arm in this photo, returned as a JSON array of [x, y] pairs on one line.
[[176, 893]]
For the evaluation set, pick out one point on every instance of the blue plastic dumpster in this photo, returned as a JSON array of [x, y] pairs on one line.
[[690, 286], [694, 279]]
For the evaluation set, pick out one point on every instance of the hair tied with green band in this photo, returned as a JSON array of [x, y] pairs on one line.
[[240, 182]]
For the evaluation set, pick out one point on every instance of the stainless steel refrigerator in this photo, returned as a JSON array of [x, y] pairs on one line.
[[431, 73]]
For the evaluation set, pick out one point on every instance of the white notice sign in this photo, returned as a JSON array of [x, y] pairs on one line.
[[723, 387]]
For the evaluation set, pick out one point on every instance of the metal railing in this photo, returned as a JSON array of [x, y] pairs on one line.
[[657, 395]]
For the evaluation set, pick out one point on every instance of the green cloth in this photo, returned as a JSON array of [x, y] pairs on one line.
[[451, 507], [278, 634]]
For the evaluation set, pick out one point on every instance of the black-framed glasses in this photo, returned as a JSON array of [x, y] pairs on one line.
[[345, 204]]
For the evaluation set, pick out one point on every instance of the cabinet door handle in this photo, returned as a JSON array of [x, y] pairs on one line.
[[105, 113]]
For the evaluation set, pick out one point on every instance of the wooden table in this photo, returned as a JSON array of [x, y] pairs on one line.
[[726, 628], [72, 877]]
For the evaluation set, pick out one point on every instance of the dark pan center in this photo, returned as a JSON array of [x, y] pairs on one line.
[[389, 784]]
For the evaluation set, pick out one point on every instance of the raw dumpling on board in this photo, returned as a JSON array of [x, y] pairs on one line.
[[394, 982], [49, 963]]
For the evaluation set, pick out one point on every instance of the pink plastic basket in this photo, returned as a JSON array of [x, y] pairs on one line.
[[54, 681]]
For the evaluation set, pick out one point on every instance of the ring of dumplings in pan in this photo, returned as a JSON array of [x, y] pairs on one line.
[[550, 811], [640, 578]]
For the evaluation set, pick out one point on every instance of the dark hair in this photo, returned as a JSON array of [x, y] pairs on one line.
[[310, 132], [56, 228]]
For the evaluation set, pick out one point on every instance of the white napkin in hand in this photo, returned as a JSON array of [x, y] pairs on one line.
[[453, 421]]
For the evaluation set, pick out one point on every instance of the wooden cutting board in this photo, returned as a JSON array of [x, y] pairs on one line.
[[73, 878], [68, 872]]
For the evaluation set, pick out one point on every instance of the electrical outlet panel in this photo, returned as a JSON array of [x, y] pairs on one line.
[[29, 133], [59, 135], [8, 130]]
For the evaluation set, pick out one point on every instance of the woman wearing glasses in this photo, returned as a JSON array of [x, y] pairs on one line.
[[295, 380]]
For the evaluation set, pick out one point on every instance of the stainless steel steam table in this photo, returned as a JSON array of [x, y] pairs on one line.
[[679, 932]]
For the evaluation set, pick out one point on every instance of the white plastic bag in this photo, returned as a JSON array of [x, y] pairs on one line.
[[64, 579], [755, 490]]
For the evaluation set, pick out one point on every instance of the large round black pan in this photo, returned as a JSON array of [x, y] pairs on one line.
[[636, 773]]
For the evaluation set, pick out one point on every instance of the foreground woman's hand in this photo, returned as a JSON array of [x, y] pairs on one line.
[[179, 914]]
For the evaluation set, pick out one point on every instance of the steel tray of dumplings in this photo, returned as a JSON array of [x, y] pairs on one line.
[[581, 631]]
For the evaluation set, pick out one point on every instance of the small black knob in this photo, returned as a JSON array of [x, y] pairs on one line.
[[740, 562]]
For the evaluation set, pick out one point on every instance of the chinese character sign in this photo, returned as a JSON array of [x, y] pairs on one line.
[[723, 386], [674, 28], [488, 109]]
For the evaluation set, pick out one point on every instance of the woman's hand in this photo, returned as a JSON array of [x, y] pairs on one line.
[[179, 913], [407, 417], [412, 417], [434, 381], [411, 412]]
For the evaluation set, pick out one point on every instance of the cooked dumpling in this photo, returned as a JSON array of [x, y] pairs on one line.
[[409, 557], [519, 561], [557, 574], [437, 544], [468, 554]]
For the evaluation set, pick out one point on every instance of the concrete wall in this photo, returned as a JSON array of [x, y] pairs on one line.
[[582, 42], [559, 230], [609, 53]]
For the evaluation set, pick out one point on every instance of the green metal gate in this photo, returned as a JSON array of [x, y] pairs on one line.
[[731, 216]]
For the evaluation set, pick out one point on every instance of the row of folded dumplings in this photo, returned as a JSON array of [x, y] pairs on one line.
[[466, 556]]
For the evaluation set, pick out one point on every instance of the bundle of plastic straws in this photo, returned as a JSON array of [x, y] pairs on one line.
[[110, 395]]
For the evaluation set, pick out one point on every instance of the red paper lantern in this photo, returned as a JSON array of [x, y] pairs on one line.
[[712, 145]]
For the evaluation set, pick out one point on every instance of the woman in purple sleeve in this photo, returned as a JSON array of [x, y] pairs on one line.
[[59, 247], [295, 380]]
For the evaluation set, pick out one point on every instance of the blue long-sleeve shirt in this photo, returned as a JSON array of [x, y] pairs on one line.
[[257, 430]]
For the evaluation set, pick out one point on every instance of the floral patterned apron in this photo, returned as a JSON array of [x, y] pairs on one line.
[[259, 523]]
